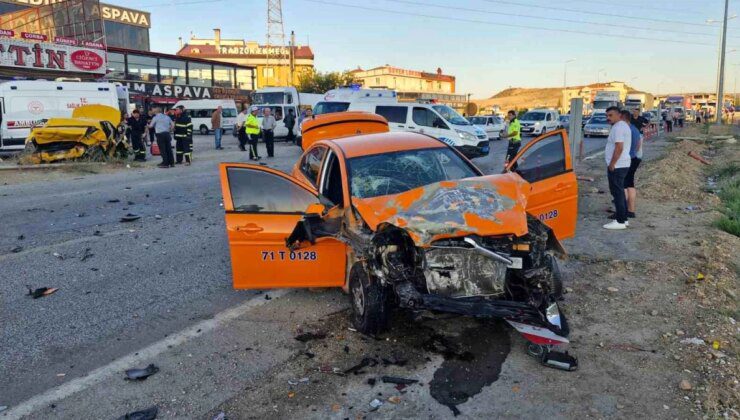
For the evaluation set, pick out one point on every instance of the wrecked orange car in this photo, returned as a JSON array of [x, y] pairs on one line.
[[402, 219]]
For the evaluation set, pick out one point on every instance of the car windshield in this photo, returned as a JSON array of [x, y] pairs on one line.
[[329, 107], [597, 120], [478, 120], [394, 173], [450, 115], [564, 118], [533, 116]]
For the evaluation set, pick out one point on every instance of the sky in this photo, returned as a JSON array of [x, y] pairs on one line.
[[663, 46]]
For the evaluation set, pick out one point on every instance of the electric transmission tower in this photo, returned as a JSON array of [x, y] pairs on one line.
[[275, 41]]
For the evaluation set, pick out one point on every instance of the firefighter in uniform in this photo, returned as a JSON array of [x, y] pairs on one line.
[[514, 134], [137, 126], [252, 127], [183, 136]]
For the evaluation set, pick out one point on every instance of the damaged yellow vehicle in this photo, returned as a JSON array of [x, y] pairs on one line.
[[91, 133]]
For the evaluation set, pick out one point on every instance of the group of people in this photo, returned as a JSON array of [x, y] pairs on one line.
[[249, 129], [162, 127], [674, 119]]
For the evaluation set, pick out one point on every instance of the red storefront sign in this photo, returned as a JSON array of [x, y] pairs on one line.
[[19, 53], [90, 44], [7, 33], [65, 41], [34, 37]]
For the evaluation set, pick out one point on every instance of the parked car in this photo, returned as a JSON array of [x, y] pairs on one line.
[[585, 120], [564, 121], [540, 121], [493, 125], [651, 116], [597, 126], [413, 224]]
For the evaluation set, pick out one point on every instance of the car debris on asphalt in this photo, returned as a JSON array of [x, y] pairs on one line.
[[308, 336], [141, 374], [41, 291], [398, 381], [130, 217], [146, 414]]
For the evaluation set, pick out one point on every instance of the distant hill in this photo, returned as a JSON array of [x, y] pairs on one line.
[[523, 98]]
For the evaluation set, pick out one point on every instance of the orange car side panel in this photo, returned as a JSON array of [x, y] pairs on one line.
[[340, 125], [259, 257], [555, 200]]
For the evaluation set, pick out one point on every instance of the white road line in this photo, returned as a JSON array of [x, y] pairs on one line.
[[126, 362]]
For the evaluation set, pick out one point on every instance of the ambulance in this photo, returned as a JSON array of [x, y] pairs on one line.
[[28, 103]]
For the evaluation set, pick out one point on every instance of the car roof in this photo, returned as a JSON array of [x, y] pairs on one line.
[[373, 144]]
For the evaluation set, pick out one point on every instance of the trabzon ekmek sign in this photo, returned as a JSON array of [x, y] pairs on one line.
[[31, 55]]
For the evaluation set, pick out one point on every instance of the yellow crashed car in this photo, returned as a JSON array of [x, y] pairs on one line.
[[91, 133]]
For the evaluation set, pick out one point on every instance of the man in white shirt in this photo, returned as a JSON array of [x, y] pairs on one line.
[[241, 119], [617, 156]]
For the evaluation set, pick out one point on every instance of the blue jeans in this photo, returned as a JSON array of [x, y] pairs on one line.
[[217, 133]]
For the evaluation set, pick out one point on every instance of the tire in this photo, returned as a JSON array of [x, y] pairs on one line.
[[203, 130], [95, 154], [369, 302]]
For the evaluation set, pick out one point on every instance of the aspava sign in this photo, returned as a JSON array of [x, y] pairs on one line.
[[170, 91], [107, 12], [32, 55]]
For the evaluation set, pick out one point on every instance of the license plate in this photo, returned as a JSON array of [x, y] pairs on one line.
[[516, 263], [485, 149]]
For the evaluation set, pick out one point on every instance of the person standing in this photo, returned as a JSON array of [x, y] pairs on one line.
[[635, 159], [162, 125], [252, 129], [638, 121], [149, 116], [514, 134], [216, 125], [239, 126], [668, 122], [617, 156], [289, 124], [137, 127], [268, 131], [183, 136]]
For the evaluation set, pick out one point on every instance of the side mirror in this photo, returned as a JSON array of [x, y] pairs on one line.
[[317, 208]]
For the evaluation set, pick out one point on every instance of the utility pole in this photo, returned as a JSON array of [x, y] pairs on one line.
[[721, 75], [275, 41]]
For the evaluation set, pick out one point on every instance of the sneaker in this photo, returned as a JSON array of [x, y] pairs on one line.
[[614, 225], [162, 165], [631, 215]]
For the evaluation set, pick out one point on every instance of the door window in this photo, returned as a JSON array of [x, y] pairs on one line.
[[331, 184], [394, 114], [549, 117], [254, 191], [543, 160], [427, 118], [311, 163]]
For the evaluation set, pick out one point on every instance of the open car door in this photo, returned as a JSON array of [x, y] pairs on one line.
[[546, 164], [263, 206]]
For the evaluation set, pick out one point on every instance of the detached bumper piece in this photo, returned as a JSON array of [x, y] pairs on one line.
[[470, 152], [536, 326]]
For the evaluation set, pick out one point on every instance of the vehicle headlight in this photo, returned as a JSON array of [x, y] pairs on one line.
[[466, 136]]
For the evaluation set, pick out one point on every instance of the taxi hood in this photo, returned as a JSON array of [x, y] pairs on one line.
[[485, 206]]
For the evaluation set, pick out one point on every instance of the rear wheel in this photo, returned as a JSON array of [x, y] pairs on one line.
[[95, 154], [369, 300], [203, 130]]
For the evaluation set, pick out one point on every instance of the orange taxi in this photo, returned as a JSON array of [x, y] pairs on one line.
[[402, 219]]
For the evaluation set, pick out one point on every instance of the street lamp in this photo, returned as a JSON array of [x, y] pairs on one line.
[[721, 65], [565, 72]]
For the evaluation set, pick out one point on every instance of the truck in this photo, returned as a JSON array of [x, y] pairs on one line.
[[25, 104], [639, 100], [605, 99], [281, 101]]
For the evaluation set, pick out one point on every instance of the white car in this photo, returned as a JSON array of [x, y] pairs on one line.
[[491, 124], [540, 121]]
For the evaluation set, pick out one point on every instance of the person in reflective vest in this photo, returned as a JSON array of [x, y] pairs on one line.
[[183, 137], [514, 134], [252, 127]]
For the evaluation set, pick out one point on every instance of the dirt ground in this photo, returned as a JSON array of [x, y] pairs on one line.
[[652, 310]]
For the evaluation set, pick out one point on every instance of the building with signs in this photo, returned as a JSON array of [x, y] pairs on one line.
[[83, 20], [163, 79], [276, 66]]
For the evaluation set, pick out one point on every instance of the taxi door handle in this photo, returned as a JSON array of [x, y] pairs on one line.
[[249, 228], [561, 187]]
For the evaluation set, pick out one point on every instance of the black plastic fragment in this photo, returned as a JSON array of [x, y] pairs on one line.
[[308, 336], [141, 374], [365, 362], [130, 217], [398, 380], [147, 414]]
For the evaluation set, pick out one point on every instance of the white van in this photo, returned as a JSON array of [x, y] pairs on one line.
[[436, 120], [540, 121], [339, 100], [281, 101], [26, 103], [201, 111]]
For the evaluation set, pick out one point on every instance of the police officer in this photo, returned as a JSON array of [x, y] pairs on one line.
[[514, 134], [252, 128], [137, 126], [183, 136]]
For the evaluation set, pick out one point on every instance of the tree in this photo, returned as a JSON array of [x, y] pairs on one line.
[[321, 82]]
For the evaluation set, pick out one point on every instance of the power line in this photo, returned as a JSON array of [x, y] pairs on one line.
[[510, 25], [642, 28], [640, 7], [588, 12]]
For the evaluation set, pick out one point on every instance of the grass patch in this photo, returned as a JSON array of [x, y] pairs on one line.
[[728, 181]]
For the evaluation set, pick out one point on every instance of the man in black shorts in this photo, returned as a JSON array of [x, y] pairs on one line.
[[630, 192]]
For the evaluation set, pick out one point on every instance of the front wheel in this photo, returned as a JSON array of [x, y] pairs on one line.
[[369, 300]]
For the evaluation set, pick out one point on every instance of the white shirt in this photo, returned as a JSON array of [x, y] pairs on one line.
[[620, 133], [241, 119]]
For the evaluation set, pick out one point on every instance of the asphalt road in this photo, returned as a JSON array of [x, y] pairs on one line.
[[122, 286]]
